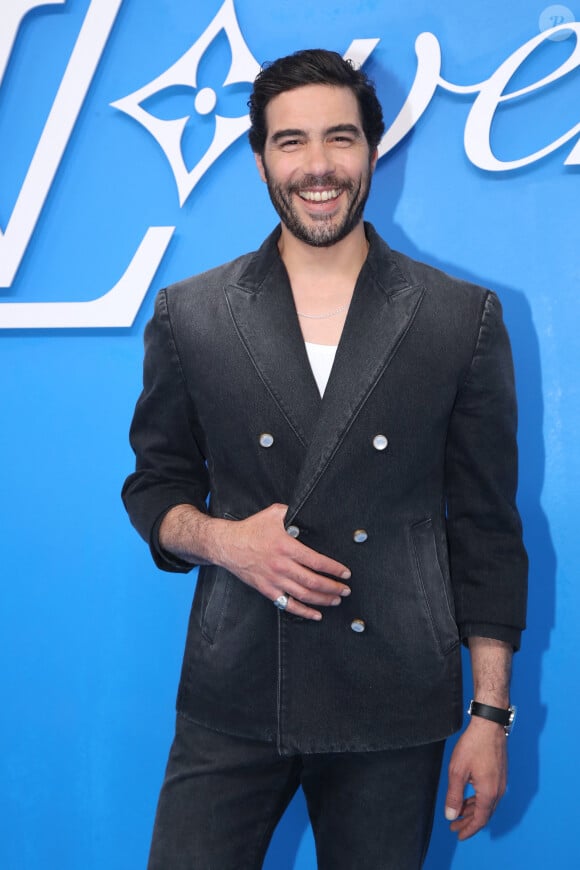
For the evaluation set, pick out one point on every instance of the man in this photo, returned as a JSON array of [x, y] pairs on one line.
[[351, 542]]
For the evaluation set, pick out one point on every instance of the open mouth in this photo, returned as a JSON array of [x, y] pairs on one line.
[[319, 195]]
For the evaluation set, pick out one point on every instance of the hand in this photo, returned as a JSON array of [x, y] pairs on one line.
[[479, 758], [260, 552]]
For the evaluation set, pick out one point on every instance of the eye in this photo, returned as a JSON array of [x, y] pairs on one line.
[[342, 140], [289, 144]]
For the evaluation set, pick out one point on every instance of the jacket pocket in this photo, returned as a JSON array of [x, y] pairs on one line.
[[215, 593], [217, 588], [433, 586]]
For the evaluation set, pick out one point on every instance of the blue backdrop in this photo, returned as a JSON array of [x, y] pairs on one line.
[[100, 205]]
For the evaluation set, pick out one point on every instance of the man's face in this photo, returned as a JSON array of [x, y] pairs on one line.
[[317, 162]]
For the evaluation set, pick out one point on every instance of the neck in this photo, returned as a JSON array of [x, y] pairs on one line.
[[322, 282], [342, 260]]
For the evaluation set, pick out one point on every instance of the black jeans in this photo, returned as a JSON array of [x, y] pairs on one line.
[[223, 796]]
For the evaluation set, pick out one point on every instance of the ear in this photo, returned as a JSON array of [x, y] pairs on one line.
[[374, 158], [260, 165]]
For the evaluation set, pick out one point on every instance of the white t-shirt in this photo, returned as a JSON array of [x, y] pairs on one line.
[[321, 358]]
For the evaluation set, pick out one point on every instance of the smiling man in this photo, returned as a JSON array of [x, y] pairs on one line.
[[351, 415], [318, 176]]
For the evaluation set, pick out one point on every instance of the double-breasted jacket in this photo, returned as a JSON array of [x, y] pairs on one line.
[[405, 471]]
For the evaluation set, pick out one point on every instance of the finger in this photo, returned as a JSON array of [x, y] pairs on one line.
[[296, 608], [467, 827], [465, 815], [484, 806], [322, 564], [311, 584], [454, 799], [309, 596], [464, 826], [473, 818], [309, 557]]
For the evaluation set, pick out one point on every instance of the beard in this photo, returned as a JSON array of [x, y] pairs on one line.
[[325, 230]]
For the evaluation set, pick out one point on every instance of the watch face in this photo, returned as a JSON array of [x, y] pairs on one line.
[[512, 718]]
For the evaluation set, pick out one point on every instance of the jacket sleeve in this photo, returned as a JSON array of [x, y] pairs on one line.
[[487, 557], [170, 466]]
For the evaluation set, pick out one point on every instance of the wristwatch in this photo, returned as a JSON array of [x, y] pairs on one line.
[[494, 714]]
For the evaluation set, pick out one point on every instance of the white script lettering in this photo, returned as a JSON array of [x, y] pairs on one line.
[[490, 95]]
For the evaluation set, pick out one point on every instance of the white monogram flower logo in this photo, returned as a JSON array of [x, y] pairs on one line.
[[185, 75]]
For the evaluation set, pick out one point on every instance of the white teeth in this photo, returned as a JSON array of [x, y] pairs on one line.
[[319, 195]]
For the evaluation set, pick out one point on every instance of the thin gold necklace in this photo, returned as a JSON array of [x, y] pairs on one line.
[[336, 310], [324, 316]]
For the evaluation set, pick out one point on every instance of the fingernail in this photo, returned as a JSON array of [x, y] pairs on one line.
[[317, 617], [345, 575], [450, 814], [336, 601], [344, 592]]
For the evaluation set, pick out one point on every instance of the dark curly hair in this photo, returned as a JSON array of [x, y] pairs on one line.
[[311, 67]]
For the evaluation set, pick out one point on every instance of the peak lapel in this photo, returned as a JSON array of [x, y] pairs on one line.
[[383, 307], [263, 311]]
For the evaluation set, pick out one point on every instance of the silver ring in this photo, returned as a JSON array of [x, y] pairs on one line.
[[282, 602]]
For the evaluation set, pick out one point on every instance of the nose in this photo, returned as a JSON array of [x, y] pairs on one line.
[[319, 159]]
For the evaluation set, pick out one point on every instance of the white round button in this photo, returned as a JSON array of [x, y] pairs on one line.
[[380, 442], [360, 536], [293, 531], [358, 625], [266, 440]]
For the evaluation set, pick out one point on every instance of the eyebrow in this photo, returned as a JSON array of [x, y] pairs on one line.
[[337, 128]]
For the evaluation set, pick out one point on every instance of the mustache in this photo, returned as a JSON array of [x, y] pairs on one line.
[[310, 181]]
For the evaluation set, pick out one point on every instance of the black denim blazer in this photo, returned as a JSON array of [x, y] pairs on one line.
[[424, 360]]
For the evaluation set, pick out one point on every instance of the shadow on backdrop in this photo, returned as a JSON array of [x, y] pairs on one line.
[[524, 748]]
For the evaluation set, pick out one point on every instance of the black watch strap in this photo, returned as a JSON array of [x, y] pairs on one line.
[[494, 714]]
